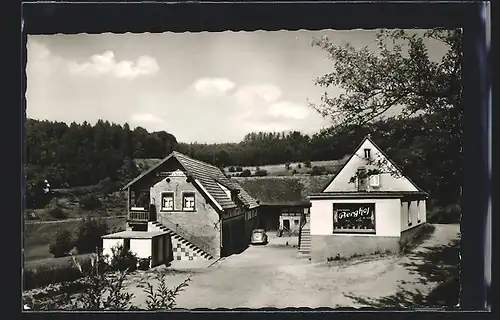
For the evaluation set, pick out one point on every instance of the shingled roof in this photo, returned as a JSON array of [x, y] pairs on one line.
[[209, 177], [285, 190]]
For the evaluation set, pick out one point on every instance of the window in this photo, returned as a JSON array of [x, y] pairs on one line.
[[306, 210], [409, 214], [296, 222], [418, 211], [353, 218], [188, 201], [367, 153], [375, 180], [167, 201]]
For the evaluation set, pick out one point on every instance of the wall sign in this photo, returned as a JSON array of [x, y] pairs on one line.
[[354, 217], [177, 173]]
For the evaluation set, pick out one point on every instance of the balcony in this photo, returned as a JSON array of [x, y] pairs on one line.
[[138, 215]]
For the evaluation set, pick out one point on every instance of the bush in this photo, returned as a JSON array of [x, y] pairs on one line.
[[58, 213], [245, 173], [163, 298], [89, 234], [307, 164], [287, 165], [231, 169], [260, 173], [63, 243], [89, 202], [294, 171], [122, 259], [239, 168], [316, 171], [299, 165], [144, 263]]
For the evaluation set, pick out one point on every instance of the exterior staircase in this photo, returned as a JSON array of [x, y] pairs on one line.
[[182, 249], [305, 240]]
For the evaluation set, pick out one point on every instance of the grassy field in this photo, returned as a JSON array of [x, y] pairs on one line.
[[38, 236], [331, 166]]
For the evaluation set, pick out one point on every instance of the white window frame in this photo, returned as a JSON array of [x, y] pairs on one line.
[[375, 180], [185, 195], [168, 194]]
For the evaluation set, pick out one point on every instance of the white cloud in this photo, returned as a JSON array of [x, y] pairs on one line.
[[256, 94], [106, 63], [288, 109], [213, 86], [146, 118]]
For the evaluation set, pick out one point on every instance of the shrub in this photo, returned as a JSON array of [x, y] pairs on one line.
[[163, 298], [144, 263], [245, 173], [287, 165], [294, 171], [89, 202], [58, 213], [231, 169], [261, 173], [122, 259], [102, 291], [239, 168], [63, 243], [299, 165], [89, 234], [307, 164], [316, 171]]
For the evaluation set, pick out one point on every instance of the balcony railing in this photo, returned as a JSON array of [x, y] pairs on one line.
[[138, 215]]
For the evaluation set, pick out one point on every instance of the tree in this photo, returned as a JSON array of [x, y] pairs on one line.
[[63, 243], [245, 173], [401, 74], [89, 234]]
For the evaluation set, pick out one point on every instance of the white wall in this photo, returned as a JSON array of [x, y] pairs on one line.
[[387, 181], [141, 247], [387, 216], [108, 244], [416, 211]]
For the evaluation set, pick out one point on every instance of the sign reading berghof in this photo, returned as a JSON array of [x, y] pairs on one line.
[[355, 217]]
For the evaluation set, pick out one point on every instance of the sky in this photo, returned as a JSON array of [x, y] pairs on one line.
[[200, 87]]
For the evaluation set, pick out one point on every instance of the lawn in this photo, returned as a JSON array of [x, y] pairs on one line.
[[38, 236]]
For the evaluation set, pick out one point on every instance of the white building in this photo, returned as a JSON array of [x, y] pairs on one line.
[[368, 207]]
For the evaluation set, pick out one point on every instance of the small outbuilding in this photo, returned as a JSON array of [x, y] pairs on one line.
[[155, 245]]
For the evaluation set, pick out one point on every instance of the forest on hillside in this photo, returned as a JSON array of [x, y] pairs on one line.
[[83, 155]]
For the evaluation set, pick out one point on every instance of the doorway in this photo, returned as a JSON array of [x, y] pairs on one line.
[[286, 224]]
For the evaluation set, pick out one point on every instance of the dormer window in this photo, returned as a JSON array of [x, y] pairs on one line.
[[367, 154]]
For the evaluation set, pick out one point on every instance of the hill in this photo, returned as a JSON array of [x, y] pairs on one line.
[[38, 236]]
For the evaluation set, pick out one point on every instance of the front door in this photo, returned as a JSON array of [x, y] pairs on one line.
[[286, 224]]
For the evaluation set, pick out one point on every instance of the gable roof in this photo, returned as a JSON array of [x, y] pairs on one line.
[[284, 190], [368, 138], [208, 176]]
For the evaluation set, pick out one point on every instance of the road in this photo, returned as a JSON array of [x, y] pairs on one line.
[[272, 276]]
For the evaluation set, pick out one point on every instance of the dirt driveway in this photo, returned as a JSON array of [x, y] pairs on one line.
[[272, 276]]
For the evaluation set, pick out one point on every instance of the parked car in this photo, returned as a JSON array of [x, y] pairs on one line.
[[259, 236]]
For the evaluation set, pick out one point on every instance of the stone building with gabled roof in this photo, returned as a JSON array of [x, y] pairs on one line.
[[206, 214]]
